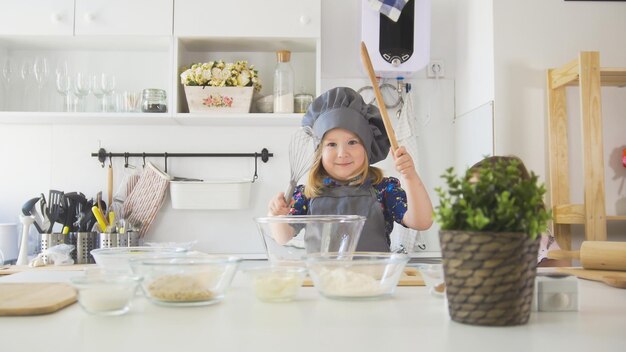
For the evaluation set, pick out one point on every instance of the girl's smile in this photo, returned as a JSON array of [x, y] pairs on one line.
[[343, 154]]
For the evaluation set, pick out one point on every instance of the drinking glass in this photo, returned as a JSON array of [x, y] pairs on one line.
[[131, 101], [40, 70], [82, 88], [26, 72], [7, 76]]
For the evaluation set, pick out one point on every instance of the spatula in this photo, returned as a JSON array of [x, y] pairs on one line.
[[54, 209]]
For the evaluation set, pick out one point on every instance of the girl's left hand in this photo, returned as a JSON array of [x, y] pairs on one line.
[[404, 163]]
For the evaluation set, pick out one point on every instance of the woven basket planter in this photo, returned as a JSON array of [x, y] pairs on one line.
[[489, 277]]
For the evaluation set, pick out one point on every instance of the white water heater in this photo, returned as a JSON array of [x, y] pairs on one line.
[[397, 49]]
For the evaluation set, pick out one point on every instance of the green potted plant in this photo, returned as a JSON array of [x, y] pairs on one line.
[[218, 86], [490, 221]]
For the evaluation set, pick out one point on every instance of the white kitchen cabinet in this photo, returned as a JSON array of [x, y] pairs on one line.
[[123, 17], [145, 43], [252, 31], [37, 17], [245, 18]]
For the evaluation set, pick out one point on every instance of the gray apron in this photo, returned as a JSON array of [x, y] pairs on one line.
[[351, 200]]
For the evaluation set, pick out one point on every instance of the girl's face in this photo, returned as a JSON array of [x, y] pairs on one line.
[[343, 154]]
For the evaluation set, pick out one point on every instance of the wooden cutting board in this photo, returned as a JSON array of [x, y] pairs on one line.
[[14, 269], [590, 274], [34, 298], [410, 277]]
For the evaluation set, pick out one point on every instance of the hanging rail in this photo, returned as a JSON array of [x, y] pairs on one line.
[[102, 155]]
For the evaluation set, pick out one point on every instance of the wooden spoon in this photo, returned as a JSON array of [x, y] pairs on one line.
[[365, 57]]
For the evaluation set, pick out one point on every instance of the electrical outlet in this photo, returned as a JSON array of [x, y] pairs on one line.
[[436, 69]]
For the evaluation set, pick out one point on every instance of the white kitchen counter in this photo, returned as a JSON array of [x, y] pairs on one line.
[[412, 320]]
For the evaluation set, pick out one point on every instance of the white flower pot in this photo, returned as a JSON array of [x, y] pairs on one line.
[[219, 99]]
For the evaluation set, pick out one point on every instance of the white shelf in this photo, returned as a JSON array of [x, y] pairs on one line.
[[252, 119], [95, 118]]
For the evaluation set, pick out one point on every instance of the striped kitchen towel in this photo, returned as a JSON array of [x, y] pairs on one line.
[[146, 198], [390, 8]]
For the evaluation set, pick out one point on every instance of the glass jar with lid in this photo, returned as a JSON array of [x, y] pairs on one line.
[[154, 100], [283, 83], [302, 102]]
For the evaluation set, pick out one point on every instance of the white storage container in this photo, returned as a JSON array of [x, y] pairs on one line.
[[211, 194]]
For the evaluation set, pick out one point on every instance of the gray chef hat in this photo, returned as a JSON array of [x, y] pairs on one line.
[[342, 107]]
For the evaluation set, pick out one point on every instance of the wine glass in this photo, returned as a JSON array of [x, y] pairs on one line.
[[26, 72], [108, 85], [64, 87], [40, 70], [97, 91], [82, 88], [7, 77]]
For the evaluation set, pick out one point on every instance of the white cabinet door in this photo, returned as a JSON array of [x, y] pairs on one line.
[[245, 18], [124, 17], [36, 17]]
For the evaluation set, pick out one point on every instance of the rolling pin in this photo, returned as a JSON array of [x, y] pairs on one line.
[[602, 255]]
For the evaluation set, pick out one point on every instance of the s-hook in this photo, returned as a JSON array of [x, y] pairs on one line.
[[265, 155]]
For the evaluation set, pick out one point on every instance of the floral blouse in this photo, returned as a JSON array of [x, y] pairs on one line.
[[390, 196]]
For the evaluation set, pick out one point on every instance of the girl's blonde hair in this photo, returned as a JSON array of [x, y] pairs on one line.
[[315, 180]]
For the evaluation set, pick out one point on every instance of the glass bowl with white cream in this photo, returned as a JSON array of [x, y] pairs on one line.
[[360, 275], [276, 283]]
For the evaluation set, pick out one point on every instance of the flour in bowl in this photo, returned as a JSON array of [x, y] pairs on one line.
[[347, 283]]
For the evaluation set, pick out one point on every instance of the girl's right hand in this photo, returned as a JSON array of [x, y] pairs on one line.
[[277, 205]]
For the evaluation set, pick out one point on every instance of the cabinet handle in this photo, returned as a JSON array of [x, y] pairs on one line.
[[88, 17], [305, 19], [56, 17]]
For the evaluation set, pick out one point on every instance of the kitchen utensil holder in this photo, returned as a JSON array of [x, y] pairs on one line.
[[128, 239], [84, 242], [108, 239], [114, 239], [49, 240]]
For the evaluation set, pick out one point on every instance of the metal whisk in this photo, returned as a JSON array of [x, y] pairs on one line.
[[300, 157]]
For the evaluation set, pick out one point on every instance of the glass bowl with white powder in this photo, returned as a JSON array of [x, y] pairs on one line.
[[276, 283], [106, 293], [361, 275], [186, 281]]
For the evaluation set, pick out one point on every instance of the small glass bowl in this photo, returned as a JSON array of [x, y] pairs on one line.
[[106, 293], [186, 281], [433, 278], [118, 258], [276, 283], [362, 275]]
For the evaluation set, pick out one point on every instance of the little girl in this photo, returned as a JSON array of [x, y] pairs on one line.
[[350, 136]]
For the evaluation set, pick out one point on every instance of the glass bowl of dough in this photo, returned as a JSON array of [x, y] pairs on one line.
[[288, 239], [186, 281], [360, 275]]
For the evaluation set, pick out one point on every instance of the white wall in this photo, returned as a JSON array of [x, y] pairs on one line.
[[532, 36], [474, 52], [38, 158]]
